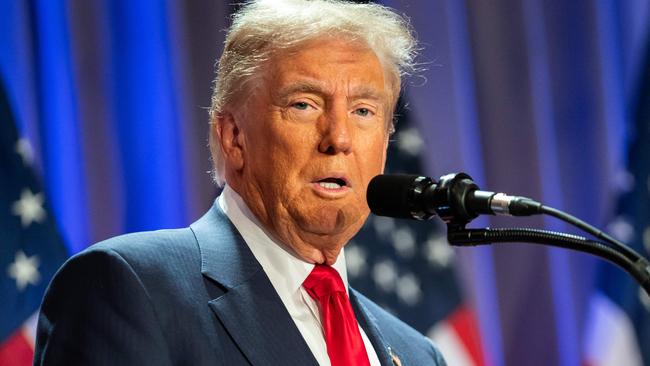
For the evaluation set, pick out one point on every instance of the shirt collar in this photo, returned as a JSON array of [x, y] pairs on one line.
[[285, 270]]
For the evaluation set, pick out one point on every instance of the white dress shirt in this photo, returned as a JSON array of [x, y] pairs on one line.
[[287, 273]]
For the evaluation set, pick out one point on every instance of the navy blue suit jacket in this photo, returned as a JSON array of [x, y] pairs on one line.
[[193, 296]]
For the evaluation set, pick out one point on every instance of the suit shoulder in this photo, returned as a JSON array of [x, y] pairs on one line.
[[152, 257], [148, 246]]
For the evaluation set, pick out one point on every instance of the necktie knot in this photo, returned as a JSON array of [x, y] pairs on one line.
[[323, 281]]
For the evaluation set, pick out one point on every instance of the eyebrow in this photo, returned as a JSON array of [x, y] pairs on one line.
[[360, 92], [366, 92], [300, 87]]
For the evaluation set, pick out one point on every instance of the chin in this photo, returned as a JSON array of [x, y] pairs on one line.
[[327, 229], [338, 219]]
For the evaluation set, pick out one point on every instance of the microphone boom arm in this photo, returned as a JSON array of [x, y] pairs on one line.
[[637, 266]]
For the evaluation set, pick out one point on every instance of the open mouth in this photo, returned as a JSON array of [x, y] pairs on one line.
[[332, 183]]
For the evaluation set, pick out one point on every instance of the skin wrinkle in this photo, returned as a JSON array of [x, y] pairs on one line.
[[306, 122]]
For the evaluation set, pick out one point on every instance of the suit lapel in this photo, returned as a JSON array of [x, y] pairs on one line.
[[369, 324], [250, 309]]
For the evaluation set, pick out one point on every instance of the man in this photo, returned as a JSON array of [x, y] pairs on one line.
[[301, 115]]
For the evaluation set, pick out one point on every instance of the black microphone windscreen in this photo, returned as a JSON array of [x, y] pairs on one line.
[[391, 195]]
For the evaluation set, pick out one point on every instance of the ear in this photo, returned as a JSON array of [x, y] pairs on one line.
[[228, 133]]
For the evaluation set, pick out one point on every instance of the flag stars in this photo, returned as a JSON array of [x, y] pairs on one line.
[[408, 289], [404, 242], [355, 259], [384, 274], [24, 149], [410, 142], [438, 252], [24, 270], [29, 207], [621, 229], [383, 225]]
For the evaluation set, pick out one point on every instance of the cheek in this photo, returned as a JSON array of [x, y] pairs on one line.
[[279, 159], [295, 147], [371, 163], [375, 156]]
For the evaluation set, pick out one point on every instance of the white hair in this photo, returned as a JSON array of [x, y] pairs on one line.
[[264, 27]]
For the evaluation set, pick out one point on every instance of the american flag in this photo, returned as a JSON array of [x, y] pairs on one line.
[[408, 267], [619, 318], [31, 249]]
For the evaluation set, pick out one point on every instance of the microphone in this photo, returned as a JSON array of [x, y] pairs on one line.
[[455, 198]]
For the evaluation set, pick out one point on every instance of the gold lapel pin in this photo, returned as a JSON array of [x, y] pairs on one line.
[[394, 358]]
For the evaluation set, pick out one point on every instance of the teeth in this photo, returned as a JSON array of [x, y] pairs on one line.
[[329, 185]]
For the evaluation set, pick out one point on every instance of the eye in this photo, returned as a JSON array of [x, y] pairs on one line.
[[363, 112], [300, 105]]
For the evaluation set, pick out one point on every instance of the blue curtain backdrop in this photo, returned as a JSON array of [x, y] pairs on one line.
[[528, 96]]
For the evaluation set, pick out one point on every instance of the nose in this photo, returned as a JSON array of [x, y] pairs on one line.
[[335, 132]]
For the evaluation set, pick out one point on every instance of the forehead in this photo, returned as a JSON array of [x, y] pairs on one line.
[[327, 64]]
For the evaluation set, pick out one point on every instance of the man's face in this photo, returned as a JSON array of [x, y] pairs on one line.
[[312, 135]]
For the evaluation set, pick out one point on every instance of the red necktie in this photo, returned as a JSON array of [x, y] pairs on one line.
[[344, 343]]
